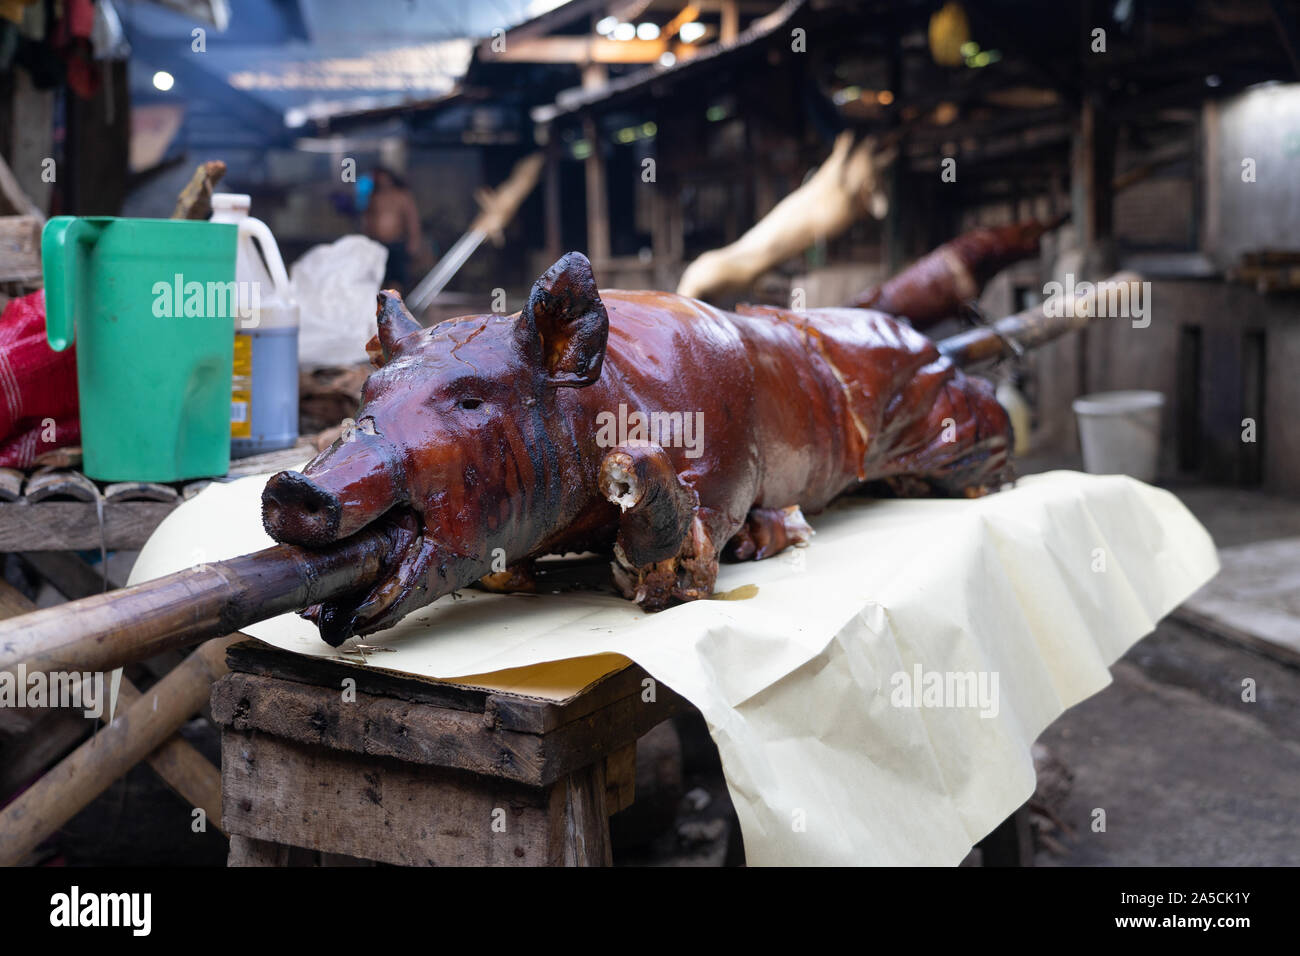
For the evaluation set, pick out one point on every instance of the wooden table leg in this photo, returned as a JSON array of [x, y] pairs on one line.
[[579, 833]]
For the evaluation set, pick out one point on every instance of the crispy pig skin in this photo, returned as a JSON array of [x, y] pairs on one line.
[[486, 438]]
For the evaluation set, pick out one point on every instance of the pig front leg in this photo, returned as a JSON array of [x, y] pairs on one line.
[[663, 551]]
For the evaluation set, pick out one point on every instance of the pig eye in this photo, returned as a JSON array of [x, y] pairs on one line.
[[469, 404]]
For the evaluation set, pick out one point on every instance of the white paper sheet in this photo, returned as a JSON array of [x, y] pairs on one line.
[[1040, 587]]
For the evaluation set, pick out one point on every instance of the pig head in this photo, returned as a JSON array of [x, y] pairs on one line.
[[458, 449]]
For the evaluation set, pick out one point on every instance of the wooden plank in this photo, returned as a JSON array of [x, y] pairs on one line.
[[74, 525], [380, 727], [254, 657], [186, 771], [508, 711], [270, 461], [591, 738], [620, 779], [435, 736], [289, 792]]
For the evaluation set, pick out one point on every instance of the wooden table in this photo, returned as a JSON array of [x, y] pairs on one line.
[[404, 771]]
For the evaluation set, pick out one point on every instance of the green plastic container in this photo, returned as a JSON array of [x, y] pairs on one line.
[[148, 302]]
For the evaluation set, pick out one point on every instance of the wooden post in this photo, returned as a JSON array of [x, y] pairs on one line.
[[92, 767], [551, 197], [730, 21], [1091, 200], [1092, 169], [597, 196]]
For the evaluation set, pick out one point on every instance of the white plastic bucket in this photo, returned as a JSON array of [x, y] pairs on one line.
[[1120, 432]]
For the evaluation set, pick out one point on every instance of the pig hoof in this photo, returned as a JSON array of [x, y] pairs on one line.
[[769, 531], [515, 578], [688, 575]]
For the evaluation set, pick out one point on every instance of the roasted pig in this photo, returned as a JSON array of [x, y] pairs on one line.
[[647, 425]]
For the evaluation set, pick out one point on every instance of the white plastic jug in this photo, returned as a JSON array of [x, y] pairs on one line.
[[264, 393]]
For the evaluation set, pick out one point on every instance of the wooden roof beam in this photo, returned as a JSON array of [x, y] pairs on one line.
[[578, 50]]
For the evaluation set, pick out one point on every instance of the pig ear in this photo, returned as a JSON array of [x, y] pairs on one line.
[[565, 314], [394, 321]]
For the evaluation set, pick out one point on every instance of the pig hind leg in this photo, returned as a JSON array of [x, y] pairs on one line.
[[769, 531]]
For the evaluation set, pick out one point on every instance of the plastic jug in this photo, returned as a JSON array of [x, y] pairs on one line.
[[264, 390], [149, 303]]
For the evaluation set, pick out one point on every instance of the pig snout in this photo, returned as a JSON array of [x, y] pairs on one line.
[[337, 494]]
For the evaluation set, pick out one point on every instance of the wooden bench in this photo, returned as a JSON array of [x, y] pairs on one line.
[[390, 769]]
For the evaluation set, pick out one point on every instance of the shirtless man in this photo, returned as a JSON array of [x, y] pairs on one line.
[[392, 219]]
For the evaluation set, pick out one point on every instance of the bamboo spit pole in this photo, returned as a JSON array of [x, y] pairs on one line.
[[89, 770], [106, 631], [1034, 327]]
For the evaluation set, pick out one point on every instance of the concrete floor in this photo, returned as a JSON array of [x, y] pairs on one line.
[[1186, 771]]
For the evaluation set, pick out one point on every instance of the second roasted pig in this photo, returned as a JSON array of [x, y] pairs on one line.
[[942, 283]]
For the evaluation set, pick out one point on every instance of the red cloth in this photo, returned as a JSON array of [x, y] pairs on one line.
[[38, 386]]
